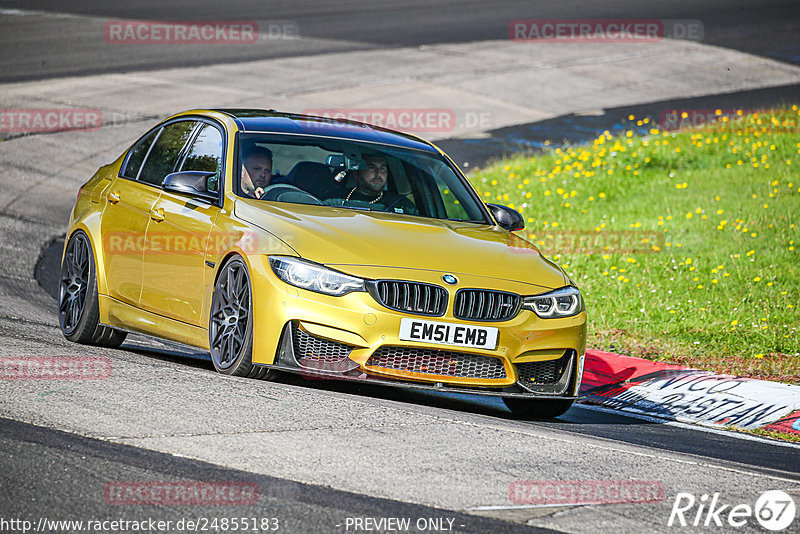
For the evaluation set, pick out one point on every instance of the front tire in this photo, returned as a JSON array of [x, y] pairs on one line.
[[230, 328], [537, 409], [78, 303]]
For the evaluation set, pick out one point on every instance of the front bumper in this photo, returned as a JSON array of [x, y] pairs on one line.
[[327, 359], [367, 330]]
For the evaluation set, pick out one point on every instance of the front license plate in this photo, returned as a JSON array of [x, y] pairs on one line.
[[460, 335]]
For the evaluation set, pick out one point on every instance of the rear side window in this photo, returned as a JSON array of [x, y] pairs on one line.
[[137, 155], [206, 155], [166, 151]]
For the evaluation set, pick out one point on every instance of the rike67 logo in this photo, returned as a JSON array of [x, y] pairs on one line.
[[774, 510]]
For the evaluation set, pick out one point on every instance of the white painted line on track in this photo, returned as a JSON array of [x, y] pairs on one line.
[[40, 13]]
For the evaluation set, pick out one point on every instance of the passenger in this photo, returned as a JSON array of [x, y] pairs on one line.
[[370, 184], [256, 170]]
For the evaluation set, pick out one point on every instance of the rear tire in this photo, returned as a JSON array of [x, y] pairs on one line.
[[230, 323], [537, 409], [78, 303]]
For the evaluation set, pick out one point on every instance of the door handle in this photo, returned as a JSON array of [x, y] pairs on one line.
[[157, 214], [113, 197]]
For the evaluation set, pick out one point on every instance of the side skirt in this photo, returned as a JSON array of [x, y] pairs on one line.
[[126, 317]]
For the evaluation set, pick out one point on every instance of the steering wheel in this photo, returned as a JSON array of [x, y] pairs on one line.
[[289, 193]]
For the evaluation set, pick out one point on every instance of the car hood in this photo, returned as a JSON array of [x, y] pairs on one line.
[[347, 239]]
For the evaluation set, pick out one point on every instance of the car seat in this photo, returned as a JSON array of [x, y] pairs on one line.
[[315, 178]]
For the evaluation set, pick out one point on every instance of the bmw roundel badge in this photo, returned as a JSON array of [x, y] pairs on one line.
[[450, 279]]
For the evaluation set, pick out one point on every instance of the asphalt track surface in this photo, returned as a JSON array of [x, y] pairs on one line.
[[67, 40], [45, 468], [47, 471], [761, 455]]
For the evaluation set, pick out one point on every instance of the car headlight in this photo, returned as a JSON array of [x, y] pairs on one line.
[[564, 302], [307, 275]]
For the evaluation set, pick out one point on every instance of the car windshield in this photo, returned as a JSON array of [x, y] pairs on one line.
[[360, 176]]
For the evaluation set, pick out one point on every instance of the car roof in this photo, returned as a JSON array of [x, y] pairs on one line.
[[271, 121]]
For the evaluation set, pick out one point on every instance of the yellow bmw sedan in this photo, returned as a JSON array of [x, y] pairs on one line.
[[329, 248]]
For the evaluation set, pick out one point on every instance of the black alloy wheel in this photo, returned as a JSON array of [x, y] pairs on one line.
[[230, 328], [78, 302]]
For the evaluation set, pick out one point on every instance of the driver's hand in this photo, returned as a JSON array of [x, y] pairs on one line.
[[259, 192]]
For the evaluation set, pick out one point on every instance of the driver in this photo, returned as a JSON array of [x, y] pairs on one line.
[[256, 170], [370, 183]]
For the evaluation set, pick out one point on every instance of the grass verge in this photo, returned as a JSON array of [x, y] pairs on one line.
[[782, 436], [684, 244]]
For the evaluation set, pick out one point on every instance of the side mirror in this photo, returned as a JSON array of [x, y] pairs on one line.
[[193, 183], [506, 217]]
